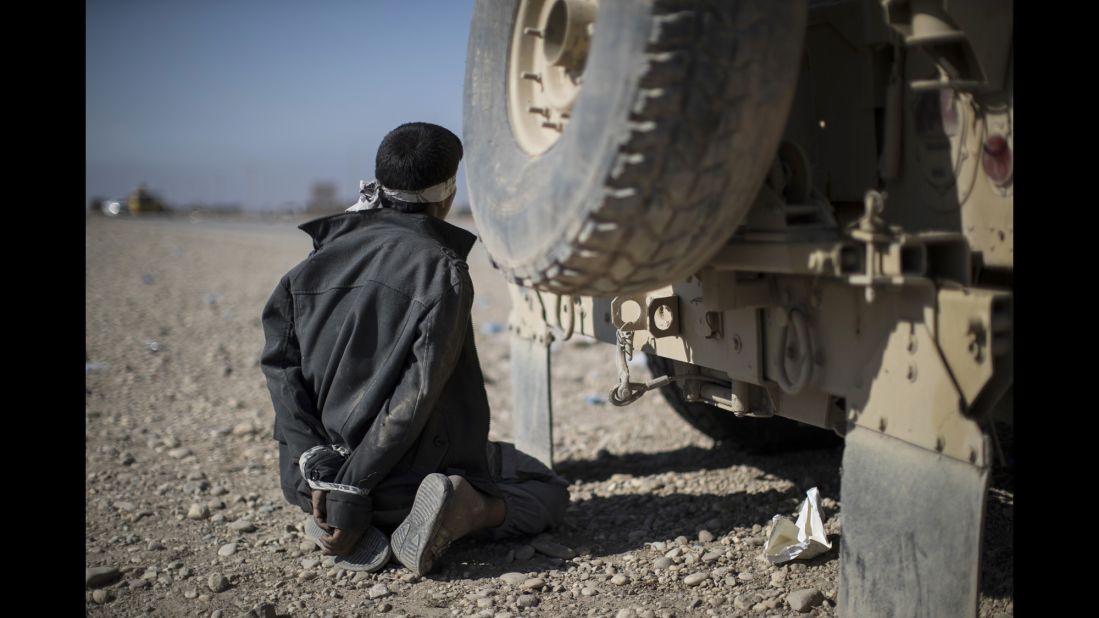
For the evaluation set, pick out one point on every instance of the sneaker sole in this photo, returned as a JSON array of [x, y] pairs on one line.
[[413, 537], [370, 554]]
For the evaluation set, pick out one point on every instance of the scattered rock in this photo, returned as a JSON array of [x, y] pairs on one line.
[[227, 550], [587, 592], [378, 591], [626, 613], [190, 593], [662, 563], [307, 575], [243, 429], [805, 599], [101, 596], [179, 453], [97, 577], [243, 525], [527, 600], [552, 549], [746, 576], [198, 511], [513, 578], [620, 580], [534, 583], [682, 540], [705, 536], [217, 582], [310, 563], [263, 610], [710, 556], [695, 579]]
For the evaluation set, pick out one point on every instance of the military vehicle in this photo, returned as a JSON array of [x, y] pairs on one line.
[[798, 210], [142, 201]]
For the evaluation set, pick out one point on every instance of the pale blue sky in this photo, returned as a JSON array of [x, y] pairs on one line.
[[249, 101]]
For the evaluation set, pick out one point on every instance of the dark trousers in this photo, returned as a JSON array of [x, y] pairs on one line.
[[536, 497]]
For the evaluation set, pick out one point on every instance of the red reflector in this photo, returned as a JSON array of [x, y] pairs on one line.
[[996, 159]]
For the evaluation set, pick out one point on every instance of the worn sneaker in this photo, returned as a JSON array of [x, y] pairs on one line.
[[370, 554], [422, 538]]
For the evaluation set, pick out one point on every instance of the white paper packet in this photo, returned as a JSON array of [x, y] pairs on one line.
[[802, 540]]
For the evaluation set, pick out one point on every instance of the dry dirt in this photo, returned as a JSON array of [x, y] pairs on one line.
[[178, 421]]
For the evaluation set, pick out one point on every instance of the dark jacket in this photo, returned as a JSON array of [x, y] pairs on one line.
[[371, 365]]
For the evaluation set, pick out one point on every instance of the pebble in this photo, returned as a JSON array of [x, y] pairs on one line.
[[309, 563], [198, 511], [705, 536], [179, 453], [227, 550], [587, 592], [527, 600], [534, 583], [243, 429], [243, 525], [100, 596], [190, 593], [673, 553], [513, 578], [662, 563], [695, 579], [307, 545], [746, 576], [378, 591], [307, 575], [96, 577], [385, 607], [524, 552], [626, 613], [619, 580], [553, 550], [805, 599], [682, 540], [217, 582], [710, 556]]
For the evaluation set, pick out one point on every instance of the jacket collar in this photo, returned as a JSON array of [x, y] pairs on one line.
[[326, 229]]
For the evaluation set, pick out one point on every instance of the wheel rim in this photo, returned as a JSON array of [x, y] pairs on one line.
[[548, 54]]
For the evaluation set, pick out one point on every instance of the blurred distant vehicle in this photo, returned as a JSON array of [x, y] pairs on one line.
[[142, 201]]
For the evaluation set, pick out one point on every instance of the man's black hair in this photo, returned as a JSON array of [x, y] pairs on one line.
[[415, 156]]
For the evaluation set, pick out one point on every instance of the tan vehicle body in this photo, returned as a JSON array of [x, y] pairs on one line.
[[868, 290]]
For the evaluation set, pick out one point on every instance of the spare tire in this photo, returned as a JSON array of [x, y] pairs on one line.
[[680, 108]]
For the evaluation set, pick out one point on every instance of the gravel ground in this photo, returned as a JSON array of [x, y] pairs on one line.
[[185, 515]]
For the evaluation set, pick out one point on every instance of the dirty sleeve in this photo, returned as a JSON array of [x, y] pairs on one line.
[[297, 422]]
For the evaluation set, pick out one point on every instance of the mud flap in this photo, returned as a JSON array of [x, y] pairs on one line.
[[531, 405], [912, 524]]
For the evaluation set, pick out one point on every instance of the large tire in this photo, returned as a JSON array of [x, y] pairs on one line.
[[754, 435], [678, 119]]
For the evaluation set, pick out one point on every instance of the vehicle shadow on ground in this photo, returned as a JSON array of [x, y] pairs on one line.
[[825, 461], [612, 524]]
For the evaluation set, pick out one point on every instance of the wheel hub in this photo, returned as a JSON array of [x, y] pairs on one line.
[[549, 50]]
